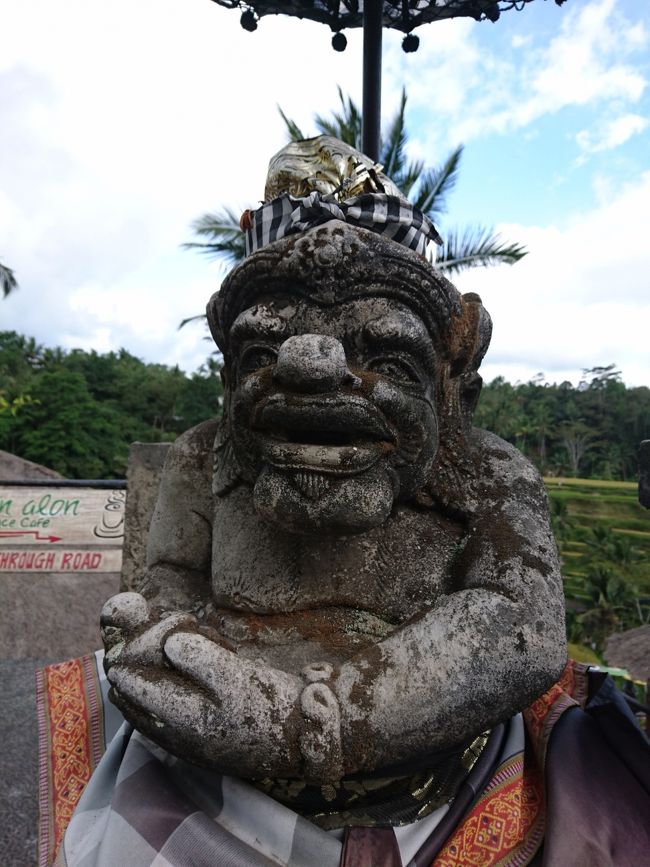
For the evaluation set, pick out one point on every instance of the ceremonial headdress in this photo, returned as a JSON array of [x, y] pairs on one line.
[[316, 180]]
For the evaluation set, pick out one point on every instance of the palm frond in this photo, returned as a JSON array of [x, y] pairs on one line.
[[294, 131], [344, 125], [225, 220], [196, 318], [436, 184], [220, 235], [8, 280], [410, 177], [225, 238], [406, 174], [476, 247]]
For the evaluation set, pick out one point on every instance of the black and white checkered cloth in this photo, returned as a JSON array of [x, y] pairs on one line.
[[387, 215]]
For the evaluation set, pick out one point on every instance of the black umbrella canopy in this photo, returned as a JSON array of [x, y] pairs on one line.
[[373, 15], [402, 15]]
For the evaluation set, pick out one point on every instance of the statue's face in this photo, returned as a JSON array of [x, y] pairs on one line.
[[333, 410]]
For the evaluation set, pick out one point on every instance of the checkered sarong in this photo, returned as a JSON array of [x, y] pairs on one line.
[[387, 215], [143, 807]]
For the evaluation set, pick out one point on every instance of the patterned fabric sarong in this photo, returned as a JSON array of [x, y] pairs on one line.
[[75, 724], [506, 826], [384, 214], [145, 808]]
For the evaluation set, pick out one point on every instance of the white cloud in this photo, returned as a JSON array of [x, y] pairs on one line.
[[580, 298], [518, 41], [124, 121], [611, 133], [478, 92]]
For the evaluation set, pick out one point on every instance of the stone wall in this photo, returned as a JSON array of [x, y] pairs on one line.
[[143, 479]]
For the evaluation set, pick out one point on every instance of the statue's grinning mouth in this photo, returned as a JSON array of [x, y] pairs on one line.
[[338, 421], [325, 437], [336, 435]]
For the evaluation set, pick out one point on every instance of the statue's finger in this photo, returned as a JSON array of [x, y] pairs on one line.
[[124, 611], [147, 648], [158, 702], [181, 718], [221, 671], [201, 659]]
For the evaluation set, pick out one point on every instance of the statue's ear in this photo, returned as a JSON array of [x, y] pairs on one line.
[[470, 391], [471, 333], [470, 338], [226, 472]]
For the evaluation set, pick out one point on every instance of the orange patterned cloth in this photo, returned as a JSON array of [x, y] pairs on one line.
[[505, 828], [506, 825], [541, 716], [71, 743]]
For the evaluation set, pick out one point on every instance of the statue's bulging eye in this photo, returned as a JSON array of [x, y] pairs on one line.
[[394, 368], [256, 357]]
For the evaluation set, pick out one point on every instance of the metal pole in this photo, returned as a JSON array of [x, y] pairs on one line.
[[115, 484], [372, 20]]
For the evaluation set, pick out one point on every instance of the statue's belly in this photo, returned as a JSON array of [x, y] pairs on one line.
[[392, 573]]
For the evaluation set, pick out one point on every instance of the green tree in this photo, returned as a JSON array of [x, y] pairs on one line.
[[611, 606], [607, 547], [426, 187], [561, 521], [202, 395], [592, 430], [577, 438], [78, 412], [66, 429]]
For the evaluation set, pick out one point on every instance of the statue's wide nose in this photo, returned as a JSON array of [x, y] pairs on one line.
[[312, 363]]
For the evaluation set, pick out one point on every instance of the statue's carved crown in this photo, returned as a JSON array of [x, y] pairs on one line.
[[337, 262]]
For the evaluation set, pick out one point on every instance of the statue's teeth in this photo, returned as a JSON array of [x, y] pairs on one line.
[[312, 485]]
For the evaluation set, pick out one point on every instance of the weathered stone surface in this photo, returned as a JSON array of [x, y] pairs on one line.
[[344, 518], [145, 465], [15, 469]]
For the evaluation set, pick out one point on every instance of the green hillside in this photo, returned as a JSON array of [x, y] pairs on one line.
[[604, 539]]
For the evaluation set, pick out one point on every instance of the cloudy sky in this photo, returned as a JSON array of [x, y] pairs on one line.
[[121, 122]]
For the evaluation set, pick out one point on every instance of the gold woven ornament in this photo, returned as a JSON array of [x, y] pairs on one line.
[[328, 166]]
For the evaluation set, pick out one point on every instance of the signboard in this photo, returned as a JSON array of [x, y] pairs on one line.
[[61, 529]]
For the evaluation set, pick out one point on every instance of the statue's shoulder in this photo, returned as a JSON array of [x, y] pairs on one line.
[[501, 465]]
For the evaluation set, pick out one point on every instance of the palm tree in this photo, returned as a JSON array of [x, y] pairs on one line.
[[427, 188], [8, 281], [612, 605]]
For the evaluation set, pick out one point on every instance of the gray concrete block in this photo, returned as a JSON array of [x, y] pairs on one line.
[[52, 615], [146, 462]]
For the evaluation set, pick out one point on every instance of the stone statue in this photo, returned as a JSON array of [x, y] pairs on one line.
[[344, 575]]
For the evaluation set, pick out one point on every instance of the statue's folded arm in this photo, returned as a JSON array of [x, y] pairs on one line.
[[486, 650]]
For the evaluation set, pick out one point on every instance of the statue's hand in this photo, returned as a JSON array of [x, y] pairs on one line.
[[132, 635], [207, 703]]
